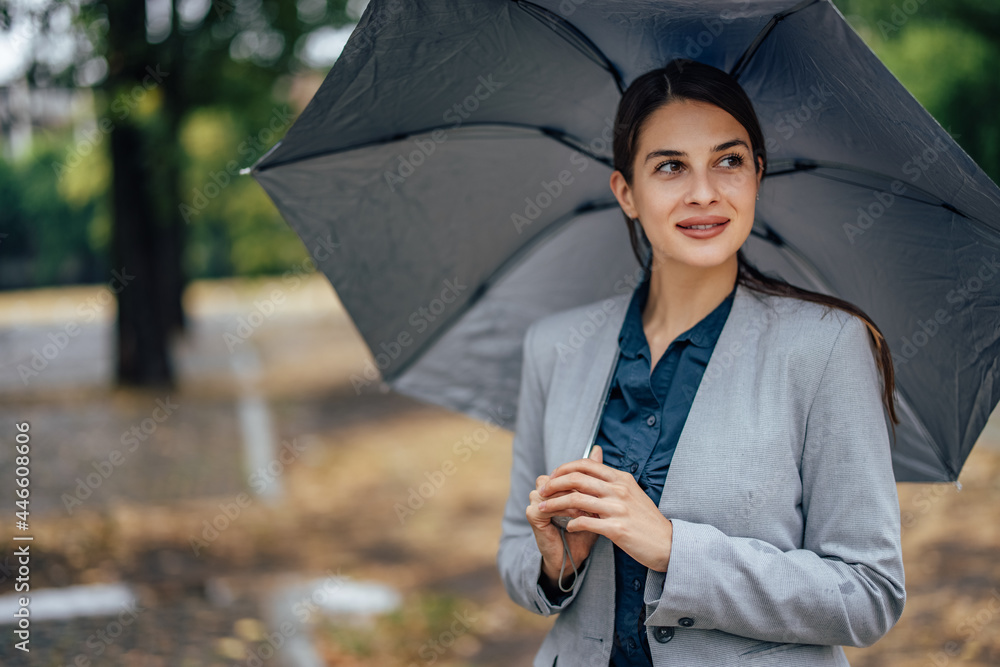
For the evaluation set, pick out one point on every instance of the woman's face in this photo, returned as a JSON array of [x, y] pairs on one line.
[[693, 166]]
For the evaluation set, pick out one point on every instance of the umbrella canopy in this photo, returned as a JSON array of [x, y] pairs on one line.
[[452, 175]]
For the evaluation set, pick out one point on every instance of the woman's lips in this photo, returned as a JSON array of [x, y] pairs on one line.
[[701, 220], [703, 226]]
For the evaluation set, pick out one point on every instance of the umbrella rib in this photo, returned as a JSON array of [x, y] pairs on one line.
[[553, 133], [588, 48], [505, 267], [809, 166], [572, 142], [744, 59]]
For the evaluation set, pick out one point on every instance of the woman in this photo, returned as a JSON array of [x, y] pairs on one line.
[[739, 505]]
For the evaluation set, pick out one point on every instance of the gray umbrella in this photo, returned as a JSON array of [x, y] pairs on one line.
[[452, 174]]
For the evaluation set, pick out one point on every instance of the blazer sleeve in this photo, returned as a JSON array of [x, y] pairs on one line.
[[518, 558], [846, 585]]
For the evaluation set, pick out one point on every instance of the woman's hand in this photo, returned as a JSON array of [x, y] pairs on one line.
[[547, 534], [619, 509]]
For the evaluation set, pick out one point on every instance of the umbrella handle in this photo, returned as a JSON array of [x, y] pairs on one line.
[[562, 567]]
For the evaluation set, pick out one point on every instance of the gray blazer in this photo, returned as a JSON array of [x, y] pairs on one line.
[[786, 541]]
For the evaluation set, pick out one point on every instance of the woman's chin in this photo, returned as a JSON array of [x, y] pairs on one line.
[[709, 258]]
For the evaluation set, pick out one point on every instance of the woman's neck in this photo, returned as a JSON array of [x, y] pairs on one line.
[[680, 296]]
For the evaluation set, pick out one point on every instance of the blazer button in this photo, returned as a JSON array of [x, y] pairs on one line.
[[686, 622], [663, 634]]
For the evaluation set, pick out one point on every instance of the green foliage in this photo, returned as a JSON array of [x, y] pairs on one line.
[[233, 228], [56, 228], [219, 101]]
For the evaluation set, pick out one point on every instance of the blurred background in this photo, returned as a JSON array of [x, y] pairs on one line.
[[214, 478]]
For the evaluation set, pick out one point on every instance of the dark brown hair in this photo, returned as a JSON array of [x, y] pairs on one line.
[[684, 79]]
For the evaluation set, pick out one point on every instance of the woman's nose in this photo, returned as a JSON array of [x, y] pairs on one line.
[[702, 189]]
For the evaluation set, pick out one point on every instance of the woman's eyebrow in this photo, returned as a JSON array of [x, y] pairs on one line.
[[672, 153]]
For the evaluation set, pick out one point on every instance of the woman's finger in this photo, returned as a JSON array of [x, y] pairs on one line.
[[536, 512], [594, 525], [573, 501], [575, 481], [538, 497], [588, 466]]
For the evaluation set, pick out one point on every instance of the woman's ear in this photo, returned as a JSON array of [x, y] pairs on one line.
[[623, 193]]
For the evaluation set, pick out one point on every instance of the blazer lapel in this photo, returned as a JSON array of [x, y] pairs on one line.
[[711, 397], [592, 383]]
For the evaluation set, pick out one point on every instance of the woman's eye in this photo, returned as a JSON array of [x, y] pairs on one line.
[[669, 164], [733, 160]]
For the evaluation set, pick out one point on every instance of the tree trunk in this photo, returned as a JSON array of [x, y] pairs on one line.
[[142, 249], [143, 332]]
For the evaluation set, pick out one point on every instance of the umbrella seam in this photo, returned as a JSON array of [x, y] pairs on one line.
[[596, 54], [744, 59]]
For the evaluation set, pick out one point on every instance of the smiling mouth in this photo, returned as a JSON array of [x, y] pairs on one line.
[[702, 226]]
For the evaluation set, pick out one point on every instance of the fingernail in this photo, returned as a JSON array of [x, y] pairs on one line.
[[541, 505]]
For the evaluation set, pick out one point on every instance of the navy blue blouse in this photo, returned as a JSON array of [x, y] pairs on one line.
[[638, 434]]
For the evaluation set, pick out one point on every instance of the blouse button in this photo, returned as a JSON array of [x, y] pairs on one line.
[[633, 467], [651, 419]]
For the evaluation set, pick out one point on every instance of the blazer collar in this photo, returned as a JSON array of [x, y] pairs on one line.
[[603, 356]]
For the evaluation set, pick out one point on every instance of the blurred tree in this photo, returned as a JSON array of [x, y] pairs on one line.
[[153, 64]]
